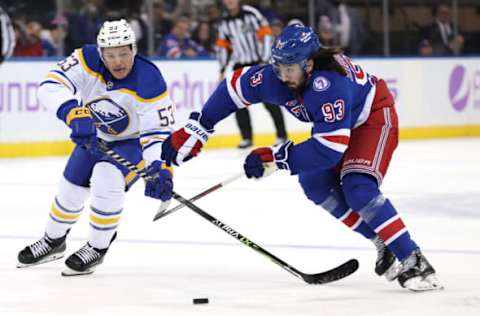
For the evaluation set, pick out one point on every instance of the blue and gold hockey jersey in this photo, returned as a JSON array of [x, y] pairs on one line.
[[137, 106], [333, 103]]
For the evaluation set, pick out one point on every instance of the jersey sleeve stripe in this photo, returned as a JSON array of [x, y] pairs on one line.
[[235, 89], [49, 81], [155, 133], [59, 80], [332, 145], [367, 107], [66, 78], [337, 132], [336, 140]]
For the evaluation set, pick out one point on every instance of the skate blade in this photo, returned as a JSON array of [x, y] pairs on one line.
[[393, 272], [419, 284], [69, 272], [44, 260]]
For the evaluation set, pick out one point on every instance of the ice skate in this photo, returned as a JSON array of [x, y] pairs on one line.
[[44, 250], [85, 260], [386, 264], [418, 274]]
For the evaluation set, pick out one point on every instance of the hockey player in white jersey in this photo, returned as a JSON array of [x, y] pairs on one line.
[[105, 92]]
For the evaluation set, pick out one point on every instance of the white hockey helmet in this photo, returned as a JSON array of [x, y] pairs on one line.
[[115, 34]]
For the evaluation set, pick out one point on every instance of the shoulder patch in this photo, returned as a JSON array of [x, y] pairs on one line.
[[321, 84]]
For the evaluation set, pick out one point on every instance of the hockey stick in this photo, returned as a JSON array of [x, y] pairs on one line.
[[162, 211], [334, 274], [269, 169]]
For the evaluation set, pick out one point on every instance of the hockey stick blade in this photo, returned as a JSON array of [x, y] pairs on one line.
[[334, 274]]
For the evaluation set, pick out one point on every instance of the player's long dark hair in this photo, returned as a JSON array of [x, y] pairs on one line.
[[324, 59]]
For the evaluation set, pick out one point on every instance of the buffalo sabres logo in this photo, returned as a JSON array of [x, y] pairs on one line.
[[108, 116]]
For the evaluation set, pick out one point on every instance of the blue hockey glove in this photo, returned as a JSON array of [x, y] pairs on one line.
[[185, 143], [263, 161], [79, 119], [162, 184]]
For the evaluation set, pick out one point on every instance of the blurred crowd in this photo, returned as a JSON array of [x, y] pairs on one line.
[[186, 28]]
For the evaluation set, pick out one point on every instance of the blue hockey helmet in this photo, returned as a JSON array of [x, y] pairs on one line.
[[295, 45]]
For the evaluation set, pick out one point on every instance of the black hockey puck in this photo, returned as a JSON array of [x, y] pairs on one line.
[[200, 300]]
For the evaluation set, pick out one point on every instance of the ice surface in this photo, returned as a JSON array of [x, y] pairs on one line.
[[158, 268]]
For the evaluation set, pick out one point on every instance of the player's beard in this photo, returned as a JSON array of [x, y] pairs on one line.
[[298, 89]]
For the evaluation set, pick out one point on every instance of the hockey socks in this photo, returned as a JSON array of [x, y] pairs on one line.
[[362, 193], [336, 205]]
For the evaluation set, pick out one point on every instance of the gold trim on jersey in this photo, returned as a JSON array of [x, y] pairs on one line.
[[140, 99], [60, 80], [88, 69]]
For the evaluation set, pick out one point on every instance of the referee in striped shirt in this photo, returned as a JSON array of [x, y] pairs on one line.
[[245, 39], [7, 36]]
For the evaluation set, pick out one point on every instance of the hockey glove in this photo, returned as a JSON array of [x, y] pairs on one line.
[[263, 161], [161, 186], [79, 119], [185, 143]]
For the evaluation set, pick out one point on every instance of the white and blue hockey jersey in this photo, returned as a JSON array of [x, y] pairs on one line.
[[137, 106], [333, 103]]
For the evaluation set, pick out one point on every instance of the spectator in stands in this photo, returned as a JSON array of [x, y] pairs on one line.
[[26, 44], [277, 27], [177, 8], [139, 24], [348, 27], [35, 30], [162, 25], [84, 25], [55, 32], [205, 37], [178, 43], [424, 48], [266, 9], [325, 31], [213, 14], [440, 34], [199, 8]]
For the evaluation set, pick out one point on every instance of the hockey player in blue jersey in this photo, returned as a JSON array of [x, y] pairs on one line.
[[103, 92], [341, 166]]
